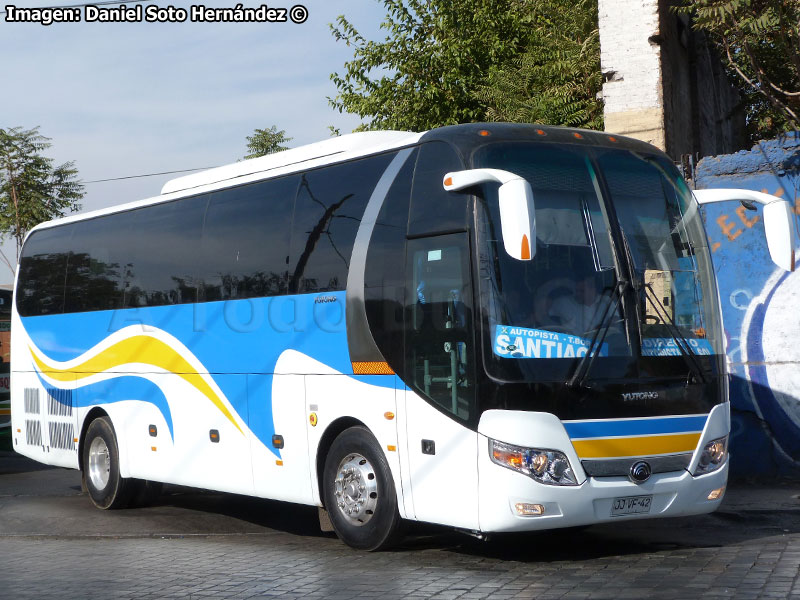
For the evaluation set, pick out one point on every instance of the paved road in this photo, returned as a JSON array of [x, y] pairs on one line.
[[192, 544]]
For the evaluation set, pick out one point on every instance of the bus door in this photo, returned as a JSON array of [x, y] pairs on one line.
[[442, 449]]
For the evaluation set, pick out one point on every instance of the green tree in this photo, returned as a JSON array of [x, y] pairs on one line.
[[455, 61], [557, 78], [32, 189], [425, 73], [760, 40], [266, 141]]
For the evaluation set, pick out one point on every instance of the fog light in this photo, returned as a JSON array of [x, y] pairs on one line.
[[716, 494], [529, 510]]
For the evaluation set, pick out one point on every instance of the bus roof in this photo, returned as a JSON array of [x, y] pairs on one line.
[[340, 148], [354, 143]]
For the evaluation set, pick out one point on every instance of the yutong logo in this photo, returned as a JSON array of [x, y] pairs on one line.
[[630, 396]]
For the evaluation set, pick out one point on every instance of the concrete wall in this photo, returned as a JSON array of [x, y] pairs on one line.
[[662, 82], [631, 67], [761, 310]]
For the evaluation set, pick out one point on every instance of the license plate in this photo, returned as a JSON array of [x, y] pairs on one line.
[[631, 505]]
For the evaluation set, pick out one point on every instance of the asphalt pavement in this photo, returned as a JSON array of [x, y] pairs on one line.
[[198, 544]]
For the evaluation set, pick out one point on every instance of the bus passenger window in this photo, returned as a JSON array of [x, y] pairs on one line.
[[439, 312]]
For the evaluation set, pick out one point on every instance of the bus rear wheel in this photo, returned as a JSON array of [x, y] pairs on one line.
[[359, 493], [106, 488]]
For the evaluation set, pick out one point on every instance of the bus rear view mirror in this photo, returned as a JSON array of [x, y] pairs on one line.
[[515, 198], [778, 220]]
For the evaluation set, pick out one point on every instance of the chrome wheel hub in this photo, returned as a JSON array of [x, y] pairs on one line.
[[99, 464], [356, 489]]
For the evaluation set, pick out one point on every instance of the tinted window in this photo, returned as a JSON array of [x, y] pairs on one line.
[[433, 210], [41, 272], [439, 356], [383, 280], [246, 240], [328, 211], [96, 266], [164, 268]]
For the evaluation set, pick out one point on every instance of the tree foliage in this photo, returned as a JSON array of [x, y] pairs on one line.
[[266, 141], [760, 40], [557, 77], [456, 61], [434, 57], [32, 189]]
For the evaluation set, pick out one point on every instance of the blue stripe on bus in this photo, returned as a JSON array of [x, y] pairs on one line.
[[235, 340], [116, 389], [628, 427]]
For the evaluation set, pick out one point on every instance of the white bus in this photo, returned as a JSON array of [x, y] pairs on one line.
[[492, 327]]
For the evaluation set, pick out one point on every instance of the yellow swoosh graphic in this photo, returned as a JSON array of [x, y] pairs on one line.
[[141, 349]]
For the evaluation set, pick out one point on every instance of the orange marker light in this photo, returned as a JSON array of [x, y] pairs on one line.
[[484, 133], [388, 415], [279, 463], [540, 132], [153, 448], [448, 181], [372, 368], [577, 136], [526, 248], [611, 138], [312, 419], [513, 459], [391, 448]]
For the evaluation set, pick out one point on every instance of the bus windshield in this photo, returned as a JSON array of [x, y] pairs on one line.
[[633, 303]]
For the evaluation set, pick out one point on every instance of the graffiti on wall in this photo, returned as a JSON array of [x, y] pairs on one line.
[[760, 309]]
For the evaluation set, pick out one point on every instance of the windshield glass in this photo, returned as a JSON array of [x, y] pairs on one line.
[[539, 317]]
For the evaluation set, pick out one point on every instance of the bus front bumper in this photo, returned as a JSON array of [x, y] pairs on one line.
[[509, 501]]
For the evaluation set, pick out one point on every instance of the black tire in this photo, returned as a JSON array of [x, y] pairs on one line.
[[100, 461], [376, 523]]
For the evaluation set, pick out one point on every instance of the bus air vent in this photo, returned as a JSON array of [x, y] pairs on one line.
[[32, 401]]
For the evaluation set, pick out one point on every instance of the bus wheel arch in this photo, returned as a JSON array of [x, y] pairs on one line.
[[359, 493], [93, 414], [326, 441]]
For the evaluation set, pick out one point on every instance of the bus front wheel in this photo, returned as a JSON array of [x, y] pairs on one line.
[[359, 492], [106, 488]]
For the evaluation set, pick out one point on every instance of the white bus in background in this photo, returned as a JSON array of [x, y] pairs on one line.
[[493, 327]]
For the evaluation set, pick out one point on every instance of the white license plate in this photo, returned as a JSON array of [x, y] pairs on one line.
[[631, 505]]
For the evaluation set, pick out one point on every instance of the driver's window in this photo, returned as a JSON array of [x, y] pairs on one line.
[[439, 322]]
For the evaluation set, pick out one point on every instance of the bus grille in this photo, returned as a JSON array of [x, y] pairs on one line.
[[59, 403], [621, 467], [32, 401], [33, 433], [61, 436]]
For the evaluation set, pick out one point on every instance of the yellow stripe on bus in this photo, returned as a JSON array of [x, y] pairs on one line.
[[137, 349], [636, 446]]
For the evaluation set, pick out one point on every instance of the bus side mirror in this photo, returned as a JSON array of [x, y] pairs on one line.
[[778, 220], [515, 197]]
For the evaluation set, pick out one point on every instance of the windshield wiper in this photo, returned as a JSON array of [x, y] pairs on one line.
[[683, 346], [580, 374], [686, 352]]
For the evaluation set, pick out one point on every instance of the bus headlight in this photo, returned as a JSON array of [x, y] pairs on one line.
[[713, 456], [545, 466]]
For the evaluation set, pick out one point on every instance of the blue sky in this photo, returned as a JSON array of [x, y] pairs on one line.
[[125, 99]]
